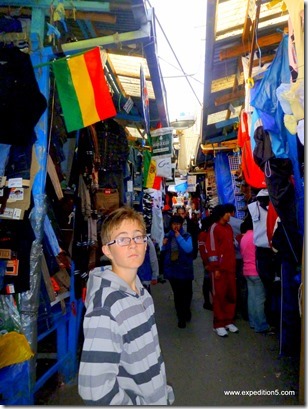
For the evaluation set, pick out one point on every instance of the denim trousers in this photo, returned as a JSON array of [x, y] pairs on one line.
[[256, 302]]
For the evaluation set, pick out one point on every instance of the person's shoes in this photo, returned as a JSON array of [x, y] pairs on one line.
[[232, 328], [221, 332], [182, 324], [268, 331]]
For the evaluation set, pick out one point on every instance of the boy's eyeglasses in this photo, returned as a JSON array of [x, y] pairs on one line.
[[125, 241]]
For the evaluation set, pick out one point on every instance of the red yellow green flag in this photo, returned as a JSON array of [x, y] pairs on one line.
[[83, 90]]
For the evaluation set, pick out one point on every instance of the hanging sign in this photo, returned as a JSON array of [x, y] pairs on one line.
[[192, 183], [163, 167], [161, 143]]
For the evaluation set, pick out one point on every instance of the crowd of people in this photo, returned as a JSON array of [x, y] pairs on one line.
[[121, 359]]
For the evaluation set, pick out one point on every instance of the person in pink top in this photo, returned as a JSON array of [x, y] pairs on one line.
[[256, 292]]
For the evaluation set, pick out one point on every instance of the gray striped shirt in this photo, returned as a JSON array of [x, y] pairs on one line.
[[121, 361]]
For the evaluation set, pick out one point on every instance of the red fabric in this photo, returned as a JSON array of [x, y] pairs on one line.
[[157, 183], [196, 202], [242, 133], [201, 245], [224, 299], [252, 173], [219, 244], [271, 220]]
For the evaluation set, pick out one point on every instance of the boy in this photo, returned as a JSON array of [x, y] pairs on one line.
[[121, 361]]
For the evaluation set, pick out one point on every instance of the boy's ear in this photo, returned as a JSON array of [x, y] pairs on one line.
[[107, 252]]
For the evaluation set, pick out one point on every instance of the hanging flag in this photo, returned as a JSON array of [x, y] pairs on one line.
[[149, 169], [150, 179], [145, 100], [83, 91]]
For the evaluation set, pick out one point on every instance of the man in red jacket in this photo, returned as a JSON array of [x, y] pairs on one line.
[[222, 265]]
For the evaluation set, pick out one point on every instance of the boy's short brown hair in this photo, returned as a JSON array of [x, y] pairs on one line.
[[114, 219]]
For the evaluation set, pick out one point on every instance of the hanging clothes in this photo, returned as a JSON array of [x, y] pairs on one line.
[[253, 175], [21, 102]]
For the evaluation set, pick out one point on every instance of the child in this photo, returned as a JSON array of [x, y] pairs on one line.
[[121, 361], [256, 292]]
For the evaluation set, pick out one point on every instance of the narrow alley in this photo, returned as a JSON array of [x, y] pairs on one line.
[[243, 369]]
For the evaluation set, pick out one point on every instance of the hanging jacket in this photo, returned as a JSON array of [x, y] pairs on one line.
[[149, 270], [182, 268], [21, 102]]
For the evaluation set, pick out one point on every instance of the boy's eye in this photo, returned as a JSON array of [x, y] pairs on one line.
[[124, 241]]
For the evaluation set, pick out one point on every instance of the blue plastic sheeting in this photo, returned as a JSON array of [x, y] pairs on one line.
[[265, 99], [223, 179], [15, 384], [181, 187], [52, 238]]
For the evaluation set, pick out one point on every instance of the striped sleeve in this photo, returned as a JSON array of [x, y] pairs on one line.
[[98, 382]]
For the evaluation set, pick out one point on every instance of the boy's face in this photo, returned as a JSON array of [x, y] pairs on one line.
[[126, 258]]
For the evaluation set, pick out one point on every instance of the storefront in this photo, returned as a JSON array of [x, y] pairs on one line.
[[64, 167]]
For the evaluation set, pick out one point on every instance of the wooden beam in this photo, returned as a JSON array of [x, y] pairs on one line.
[[261, 20], [254, 35], [92, 16], [247, 25], [228, 98], [69, 14], [115, 77], [95, 6], [245, 38], [241, 49]]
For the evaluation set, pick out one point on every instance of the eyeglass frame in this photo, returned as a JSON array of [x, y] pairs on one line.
[[116, 241]]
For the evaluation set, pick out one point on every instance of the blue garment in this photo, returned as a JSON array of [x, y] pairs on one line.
[[182, 268], [256, 300], [145, 270], [4, 157]]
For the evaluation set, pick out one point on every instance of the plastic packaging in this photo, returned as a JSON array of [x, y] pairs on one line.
[[14, 348]]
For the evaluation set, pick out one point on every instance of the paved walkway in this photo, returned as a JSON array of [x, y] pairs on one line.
[[205, 369]]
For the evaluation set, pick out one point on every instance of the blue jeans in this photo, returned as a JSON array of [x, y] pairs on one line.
[[256, 301]]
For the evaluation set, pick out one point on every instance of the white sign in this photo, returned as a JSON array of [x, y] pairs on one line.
[[163, 167]]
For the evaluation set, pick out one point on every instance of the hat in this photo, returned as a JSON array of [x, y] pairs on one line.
[[176, 219], [263, 192]]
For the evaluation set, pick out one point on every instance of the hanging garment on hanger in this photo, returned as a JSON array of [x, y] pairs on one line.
[[21, 102]]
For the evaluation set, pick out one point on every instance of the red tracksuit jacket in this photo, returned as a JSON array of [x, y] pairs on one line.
[[220, 248]]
